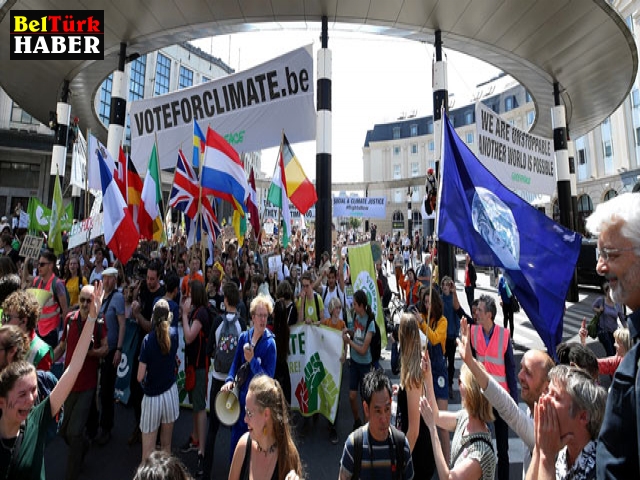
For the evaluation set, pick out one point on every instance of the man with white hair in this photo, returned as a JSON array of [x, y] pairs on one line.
[[617, 224]]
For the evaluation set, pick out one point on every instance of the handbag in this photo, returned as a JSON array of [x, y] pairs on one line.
[[189, 378], [515, 305], [592, 328]]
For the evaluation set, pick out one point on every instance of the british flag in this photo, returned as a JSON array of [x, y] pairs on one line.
[[209, 223], [186, 188]]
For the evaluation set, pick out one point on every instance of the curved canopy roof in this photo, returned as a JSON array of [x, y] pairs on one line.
[[583, 45]]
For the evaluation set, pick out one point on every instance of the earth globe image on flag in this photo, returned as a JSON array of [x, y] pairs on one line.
[[495, 223]]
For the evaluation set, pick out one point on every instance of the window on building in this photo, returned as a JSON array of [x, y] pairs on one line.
[[509, 103], [429, 128], [205, 79], [431, 146], [104, 107], [414, 130], [495, 107], [415, 193], [163, 75], [610, 194], [585, 208], [469, 117], [629, 22], [469, 138], [396, 151], [527, 97], [396, 171], [415, 169], [608, 149], [582, 157], [396, 133], [531, 116], [397, 196], [18, 115], [185, 78], [414, 149], [635, 98], [136, 81]]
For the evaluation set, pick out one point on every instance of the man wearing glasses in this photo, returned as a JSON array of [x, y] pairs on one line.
[[56, 308], [617, 224], [22, 309], [78, 403]]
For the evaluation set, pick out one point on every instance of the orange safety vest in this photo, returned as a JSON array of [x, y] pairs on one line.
[[492, 355], [50, 315]]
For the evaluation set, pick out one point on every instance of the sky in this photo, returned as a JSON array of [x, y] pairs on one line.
[[375, 79]]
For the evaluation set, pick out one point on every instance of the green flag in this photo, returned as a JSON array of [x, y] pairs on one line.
[[364, 273], [55, 225], [39, 215]]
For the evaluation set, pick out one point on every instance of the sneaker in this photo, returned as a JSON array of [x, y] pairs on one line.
[[200, 467], [103, 438], [357, 424], [190, 445], [333, 436]]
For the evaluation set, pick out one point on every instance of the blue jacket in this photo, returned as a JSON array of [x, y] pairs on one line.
[[263, 361], [453, 321], [617, 453]]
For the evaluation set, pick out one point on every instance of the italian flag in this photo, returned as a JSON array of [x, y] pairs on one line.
[[278, 197], [150, 214]]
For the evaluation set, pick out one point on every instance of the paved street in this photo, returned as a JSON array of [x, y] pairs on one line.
[[320, 457]]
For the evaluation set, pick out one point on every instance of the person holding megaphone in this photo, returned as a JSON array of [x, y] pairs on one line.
[[255, 355]]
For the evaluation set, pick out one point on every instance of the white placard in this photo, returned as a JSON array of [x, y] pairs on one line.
[[364, 207], [86, 230], [520, 160]]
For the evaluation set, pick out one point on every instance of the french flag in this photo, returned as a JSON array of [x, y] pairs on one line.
[[223, 172], [120, 232]]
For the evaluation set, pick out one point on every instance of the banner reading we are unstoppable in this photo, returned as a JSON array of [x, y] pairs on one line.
[[249, 109], [520, 160]]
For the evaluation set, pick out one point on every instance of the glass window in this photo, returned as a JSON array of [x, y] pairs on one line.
[[531, 116], [429, 128], [527, 97], [163, 75], [608, 148], [469, 138], [582, 157], [397, 196], [104, 107], [136, 81], [396, 171], [414, 149], [396, 133], [431, 146], [469, 117], [415, 193], [415, 169], [635, 98], [509, 103], [186, 78], [18, 115], [610, 194], [205, 79], [414, 130], [396, 151], [585, 208]]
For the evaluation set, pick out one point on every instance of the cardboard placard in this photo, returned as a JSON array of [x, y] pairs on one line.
[[31, 246]]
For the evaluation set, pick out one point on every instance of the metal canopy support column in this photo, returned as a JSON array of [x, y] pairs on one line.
[[118, 105], [446, 260], [323, 146]]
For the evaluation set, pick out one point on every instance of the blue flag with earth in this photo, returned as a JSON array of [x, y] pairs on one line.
[[498, 228]]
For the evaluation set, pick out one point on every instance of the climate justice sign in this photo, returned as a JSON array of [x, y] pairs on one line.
[[250, 109], [520, 160]]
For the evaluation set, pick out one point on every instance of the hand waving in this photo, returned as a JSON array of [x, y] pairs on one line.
[[96, 303], [464, 342]]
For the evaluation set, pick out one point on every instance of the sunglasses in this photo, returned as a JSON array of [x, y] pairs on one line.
[[43, 264]]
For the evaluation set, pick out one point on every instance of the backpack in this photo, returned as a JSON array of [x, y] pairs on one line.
[[398, 441], [223, 350], [376, 342]]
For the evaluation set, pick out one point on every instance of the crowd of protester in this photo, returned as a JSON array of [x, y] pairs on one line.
[[56, 348]]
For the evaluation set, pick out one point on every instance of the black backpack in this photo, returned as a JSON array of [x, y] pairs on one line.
[[223, 348], [376, 342], [398, 441]]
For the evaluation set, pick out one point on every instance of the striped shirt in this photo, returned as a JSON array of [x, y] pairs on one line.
[[478, 451], [376, 461]]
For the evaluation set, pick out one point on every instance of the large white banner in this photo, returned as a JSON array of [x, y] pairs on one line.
[[315, 369], [250, 109], [273, 213], [367, 207], [520, 160]]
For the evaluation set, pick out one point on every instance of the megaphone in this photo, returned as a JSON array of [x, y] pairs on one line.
[[42, 296], [227, 407]]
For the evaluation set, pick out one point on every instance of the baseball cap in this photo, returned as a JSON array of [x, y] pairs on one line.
[[110, 271]]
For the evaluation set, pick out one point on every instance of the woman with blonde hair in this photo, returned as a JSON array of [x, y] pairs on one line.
[[472, 454], [411, 387], [267, 449], [157, 374]]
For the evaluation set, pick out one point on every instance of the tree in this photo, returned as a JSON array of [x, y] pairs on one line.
[[355, 223]]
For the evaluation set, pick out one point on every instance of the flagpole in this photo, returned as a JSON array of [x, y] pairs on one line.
[[86, 177], [199, 214], [173, 181], [159, 174]]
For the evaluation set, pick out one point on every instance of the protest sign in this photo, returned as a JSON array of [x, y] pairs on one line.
[[31, 246]]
